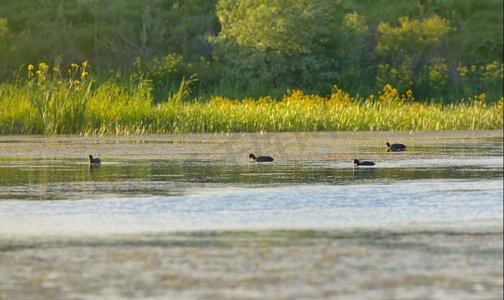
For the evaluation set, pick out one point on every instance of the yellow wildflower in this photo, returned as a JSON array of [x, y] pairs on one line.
[[40, 75], [43, 66], [30, 67], [84, 64], [408, 96], [481, 98], [462, 70]]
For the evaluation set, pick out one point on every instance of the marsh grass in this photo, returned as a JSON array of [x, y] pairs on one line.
[[51, 104]]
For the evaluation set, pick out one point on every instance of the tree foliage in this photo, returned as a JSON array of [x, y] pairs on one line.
[[437, 48], [280, 41], [110, 34], [412, 37]]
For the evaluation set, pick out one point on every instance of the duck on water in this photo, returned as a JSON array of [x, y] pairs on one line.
[[95, 162], [261, 158], [358, 163], [395, 147]]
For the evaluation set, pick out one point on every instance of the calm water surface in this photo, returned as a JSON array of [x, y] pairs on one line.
[[189, 217]]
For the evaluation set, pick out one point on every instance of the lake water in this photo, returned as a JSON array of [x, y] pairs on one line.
[[189, 217]]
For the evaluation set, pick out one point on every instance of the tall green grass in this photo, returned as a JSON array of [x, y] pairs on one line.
[[55, 105]]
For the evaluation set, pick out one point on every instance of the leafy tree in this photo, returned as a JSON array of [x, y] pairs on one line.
[[407, 48], [478, 24], [110, 34], [279, 41], [412, 38], [355, 53]]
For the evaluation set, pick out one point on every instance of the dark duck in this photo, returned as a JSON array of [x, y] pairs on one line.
[[261, 158], [94, 161], [395, 147], [358, 163]]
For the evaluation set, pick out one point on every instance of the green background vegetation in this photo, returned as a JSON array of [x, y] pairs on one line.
[[163, 65]]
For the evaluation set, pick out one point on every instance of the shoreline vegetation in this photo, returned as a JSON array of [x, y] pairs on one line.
[[68, 67], [46, 103]]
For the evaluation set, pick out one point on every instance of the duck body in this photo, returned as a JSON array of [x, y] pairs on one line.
[[362, 163], [94, 161], [395, 147], [261, 158]]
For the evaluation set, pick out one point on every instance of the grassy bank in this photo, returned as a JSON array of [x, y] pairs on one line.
[[49, 104]]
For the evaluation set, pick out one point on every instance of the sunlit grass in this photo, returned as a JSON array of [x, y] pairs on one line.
[[49, 103]]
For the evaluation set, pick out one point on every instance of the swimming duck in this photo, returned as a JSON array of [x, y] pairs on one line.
[[94, 161], [357, 163], [261, 158], [395, 147]]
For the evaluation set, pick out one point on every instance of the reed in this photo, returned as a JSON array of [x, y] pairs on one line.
[[50, 104]]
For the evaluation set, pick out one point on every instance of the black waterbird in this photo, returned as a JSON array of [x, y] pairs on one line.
[[395, 147], [94, 161], [357, 163], [261, 158]]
